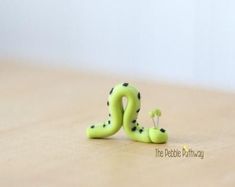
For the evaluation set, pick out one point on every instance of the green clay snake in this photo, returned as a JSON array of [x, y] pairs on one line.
[[126, 117]]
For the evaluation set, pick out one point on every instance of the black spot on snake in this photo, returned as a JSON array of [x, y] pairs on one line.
[[138, 95], [111, 91], [93, 126], [137, 111], [108, 121], [109, 115], [125, 84], [141, 130], [107, 103], [133, 128], [134, 121], [104, 125], [162, 130]]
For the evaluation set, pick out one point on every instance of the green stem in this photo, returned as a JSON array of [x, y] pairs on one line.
[[157, 121], [154, 123]]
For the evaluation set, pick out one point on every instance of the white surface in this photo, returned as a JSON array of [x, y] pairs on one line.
[[189, 41]]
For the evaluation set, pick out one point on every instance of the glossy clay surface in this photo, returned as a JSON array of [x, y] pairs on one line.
[[126, 117]]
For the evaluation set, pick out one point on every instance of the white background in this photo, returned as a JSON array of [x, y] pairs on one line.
[[186, 41]]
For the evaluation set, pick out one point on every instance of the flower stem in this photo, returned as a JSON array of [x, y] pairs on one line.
[[157, 121], [154, 123]]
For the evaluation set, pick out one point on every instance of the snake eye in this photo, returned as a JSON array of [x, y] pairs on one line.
[[162, 130]]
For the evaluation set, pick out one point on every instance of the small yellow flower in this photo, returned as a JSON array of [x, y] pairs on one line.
[[151, 114], [158, 112]]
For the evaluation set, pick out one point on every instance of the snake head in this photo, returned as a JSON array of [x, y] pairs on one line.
[[158, 135]]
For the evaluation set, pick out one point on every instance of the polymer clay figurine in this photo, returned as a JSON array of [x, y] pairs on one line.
[[127, 117]]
